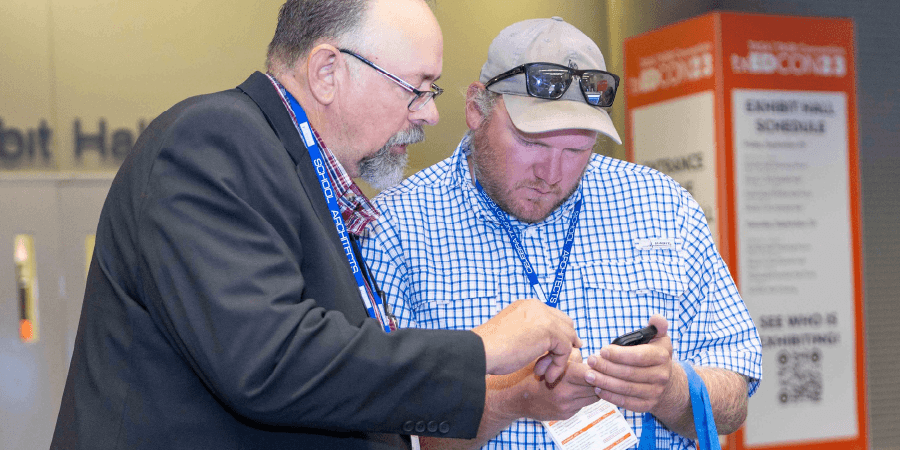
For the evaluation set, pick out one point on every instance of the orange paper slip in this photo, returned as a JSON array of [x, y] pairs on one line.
[[599, 426]]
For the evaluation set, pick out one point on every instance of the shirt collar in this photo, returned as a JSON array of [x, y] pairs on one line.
[[356, 209], [463, 176]]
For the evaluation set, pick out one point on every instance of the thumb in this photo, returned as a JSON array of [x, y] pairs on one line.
[[661, 324]]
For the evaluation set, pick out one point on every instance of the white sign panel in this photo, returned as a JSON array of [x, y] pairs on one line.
[[795, 261], [677, 138]]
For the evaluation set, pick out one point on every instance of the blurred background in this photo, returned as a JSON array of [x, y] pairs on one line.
[[79, 80]]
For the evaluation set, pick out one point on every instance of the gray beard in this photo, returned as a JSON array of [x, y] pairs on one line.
[[385, 169]]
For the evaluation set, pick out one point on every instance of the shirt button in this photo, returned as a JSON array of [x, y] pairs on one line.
[[531, 232], [408, 426], [444, 427], [420, 427]]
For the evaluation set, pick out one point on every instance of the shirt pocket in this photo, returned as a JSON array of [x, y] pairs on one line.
[[454, 299], [621, 295]]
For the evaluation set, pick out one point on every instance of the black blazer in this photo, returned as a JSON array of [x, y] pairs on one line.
[[220, 310]]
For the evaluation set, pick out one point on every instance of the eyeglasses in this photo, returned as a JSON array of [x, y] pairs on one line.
[[550, 81], [421, 98]]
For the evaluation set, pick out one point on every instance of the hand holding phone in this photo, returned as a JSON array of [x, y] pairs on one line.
[[642, 336]]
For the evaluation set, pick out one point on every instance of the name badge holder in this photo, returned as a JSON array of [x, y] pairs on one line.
[[599, 425]]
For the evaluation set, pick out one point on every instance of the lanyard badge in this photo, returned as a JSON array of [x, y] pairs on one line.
[[599, 425], [553, 299], [372, 301]]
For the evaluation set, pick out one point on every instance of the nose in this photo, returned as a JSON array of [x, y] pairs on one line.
[[428, 115], [549, 167]]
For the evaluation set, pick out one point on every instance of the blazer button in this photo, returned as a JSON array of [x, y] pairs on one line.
[[444, 427], [420, 427], [432, 426], [408, 426]]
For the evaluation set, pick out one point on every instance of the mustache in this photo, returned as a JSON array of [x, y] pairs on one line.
[[411, 135], [540, 186]]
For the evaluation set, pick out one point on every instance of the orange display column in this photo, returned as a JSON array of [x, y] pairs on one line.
[[756, 116]]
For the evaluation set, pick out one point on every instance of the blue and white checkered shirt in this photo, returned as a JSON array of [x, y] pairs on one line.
[[642, 247]]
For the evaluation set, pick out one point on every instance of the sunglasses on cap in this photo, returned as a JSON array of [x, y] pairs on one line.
[[550, 81]]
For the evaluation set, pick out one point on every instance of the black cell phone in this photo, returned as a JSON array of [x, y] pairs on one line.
[[642, 336]]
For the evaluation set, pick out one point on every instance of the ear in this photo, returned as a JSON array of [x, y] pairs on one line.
[[474, 116], [321, 72]]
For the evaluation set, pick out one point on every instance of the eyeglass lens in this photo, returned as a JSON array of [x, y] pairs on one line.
[[599, 88], [548, 81], [420, 100]]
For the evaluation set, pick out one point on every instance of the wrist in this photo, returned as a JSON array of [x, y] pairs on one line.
[[507, 397], [484, 331], [674, 406]]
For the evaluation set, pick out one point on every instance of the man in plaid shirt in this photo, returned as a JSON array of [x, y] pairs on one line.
[[524, 208]]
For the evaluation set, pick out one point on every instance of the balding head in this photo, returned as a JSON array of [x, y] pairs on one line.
[[360, 111], [304, 23]]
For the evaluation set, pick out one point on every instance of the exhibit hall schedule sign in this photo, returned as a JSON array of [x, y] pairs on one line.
[[795, 258], [761, 110]]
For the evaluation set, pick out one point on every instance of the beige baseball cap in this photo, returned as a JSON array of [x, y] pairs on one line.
[[553, 41]]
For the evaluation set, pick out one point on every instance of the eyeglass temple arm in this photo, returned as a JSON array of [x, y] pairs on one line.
[[512, 72]]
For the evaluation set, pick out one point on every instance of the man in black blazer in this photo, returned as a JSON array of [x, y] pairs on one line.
[[222, 309]]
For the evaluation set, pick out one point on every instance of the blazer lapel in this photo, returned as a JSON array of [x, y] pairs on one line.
[[259, 88]]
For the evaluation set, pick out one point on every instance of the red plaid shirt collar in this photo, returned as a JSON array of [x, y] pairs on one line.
[[356, 209]]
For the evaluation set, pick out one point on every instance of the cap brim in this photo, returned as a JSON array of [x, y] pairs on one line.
[[537, 115]]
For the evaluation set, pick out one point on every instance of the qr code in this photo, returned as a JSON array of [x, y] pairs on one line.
[[800, 376]]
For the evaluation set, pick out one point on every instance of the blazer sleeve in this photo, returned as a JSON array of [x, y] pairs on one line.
[[236, 275]]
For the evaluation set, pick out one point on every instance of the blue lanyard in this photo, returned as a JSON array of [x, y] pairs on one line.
[[370, 298], [553, 299], [704, 423]]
